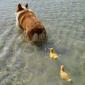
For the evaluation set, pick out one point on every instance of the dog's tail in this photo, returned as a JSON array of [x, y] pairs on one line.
[[39, 35]]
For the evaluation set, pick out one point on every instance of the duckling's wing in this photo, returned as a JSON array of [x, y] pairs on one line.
[[66, 76], [55, 55]]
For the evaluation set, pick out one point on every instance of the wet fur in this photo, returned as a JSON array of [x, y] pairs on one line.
[[29, 23]]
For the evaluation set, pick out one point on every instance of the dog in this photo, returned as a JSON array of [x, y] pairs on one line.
[[30, 25]]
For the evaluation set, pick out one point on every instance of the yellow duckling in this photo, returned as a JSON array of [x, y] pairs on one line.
[[64, 75], [53, 54]]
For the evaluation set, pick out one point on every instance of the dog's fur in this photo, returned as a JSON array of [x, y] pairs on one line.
[[28, 22]]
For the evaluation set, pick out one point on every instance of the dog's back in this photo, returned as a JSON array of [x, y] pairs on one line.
[[31, 26]]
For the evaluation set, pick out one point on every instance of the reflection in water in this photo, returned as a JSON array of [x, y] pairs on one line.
[[22, 63]]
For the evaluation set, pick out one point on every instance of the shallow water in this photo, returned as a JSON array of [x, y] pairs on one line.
[[24, 64]]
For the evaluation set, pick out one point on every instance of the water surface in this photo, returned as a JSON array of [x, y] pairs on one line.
[[24, 64]]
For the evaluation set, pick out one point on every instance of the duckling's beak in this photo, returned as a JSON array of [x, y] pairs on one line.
[[49, 49]]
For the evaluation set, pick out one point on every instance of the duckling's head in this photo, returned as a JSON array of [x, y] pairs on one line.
[[62, 67], [52, 50]]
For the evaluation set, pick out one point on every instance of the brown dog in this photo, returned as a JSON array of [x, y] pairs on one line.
[[28, 22]]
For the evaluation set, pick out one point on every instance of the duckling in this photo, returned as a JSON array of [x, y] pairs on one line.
[[53, 54], [64, 75]]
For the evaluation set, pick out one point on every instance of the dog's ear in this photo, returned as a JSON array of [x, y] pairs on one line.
[[26, 5], [19, 7]]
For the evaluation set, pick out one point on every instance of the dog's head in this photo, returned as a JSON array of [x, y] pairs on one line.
[[21, 8]]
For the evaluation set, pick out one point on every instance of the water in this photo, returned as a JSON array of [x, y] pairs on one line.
[[24, 64]]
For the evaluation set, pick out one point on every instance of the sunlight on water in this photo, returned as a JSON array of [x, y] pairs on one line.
[[22, 63]]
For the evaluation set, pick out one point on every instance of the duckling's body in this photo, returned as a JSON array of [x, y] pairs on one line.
[[53, 54], [64, 75]]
